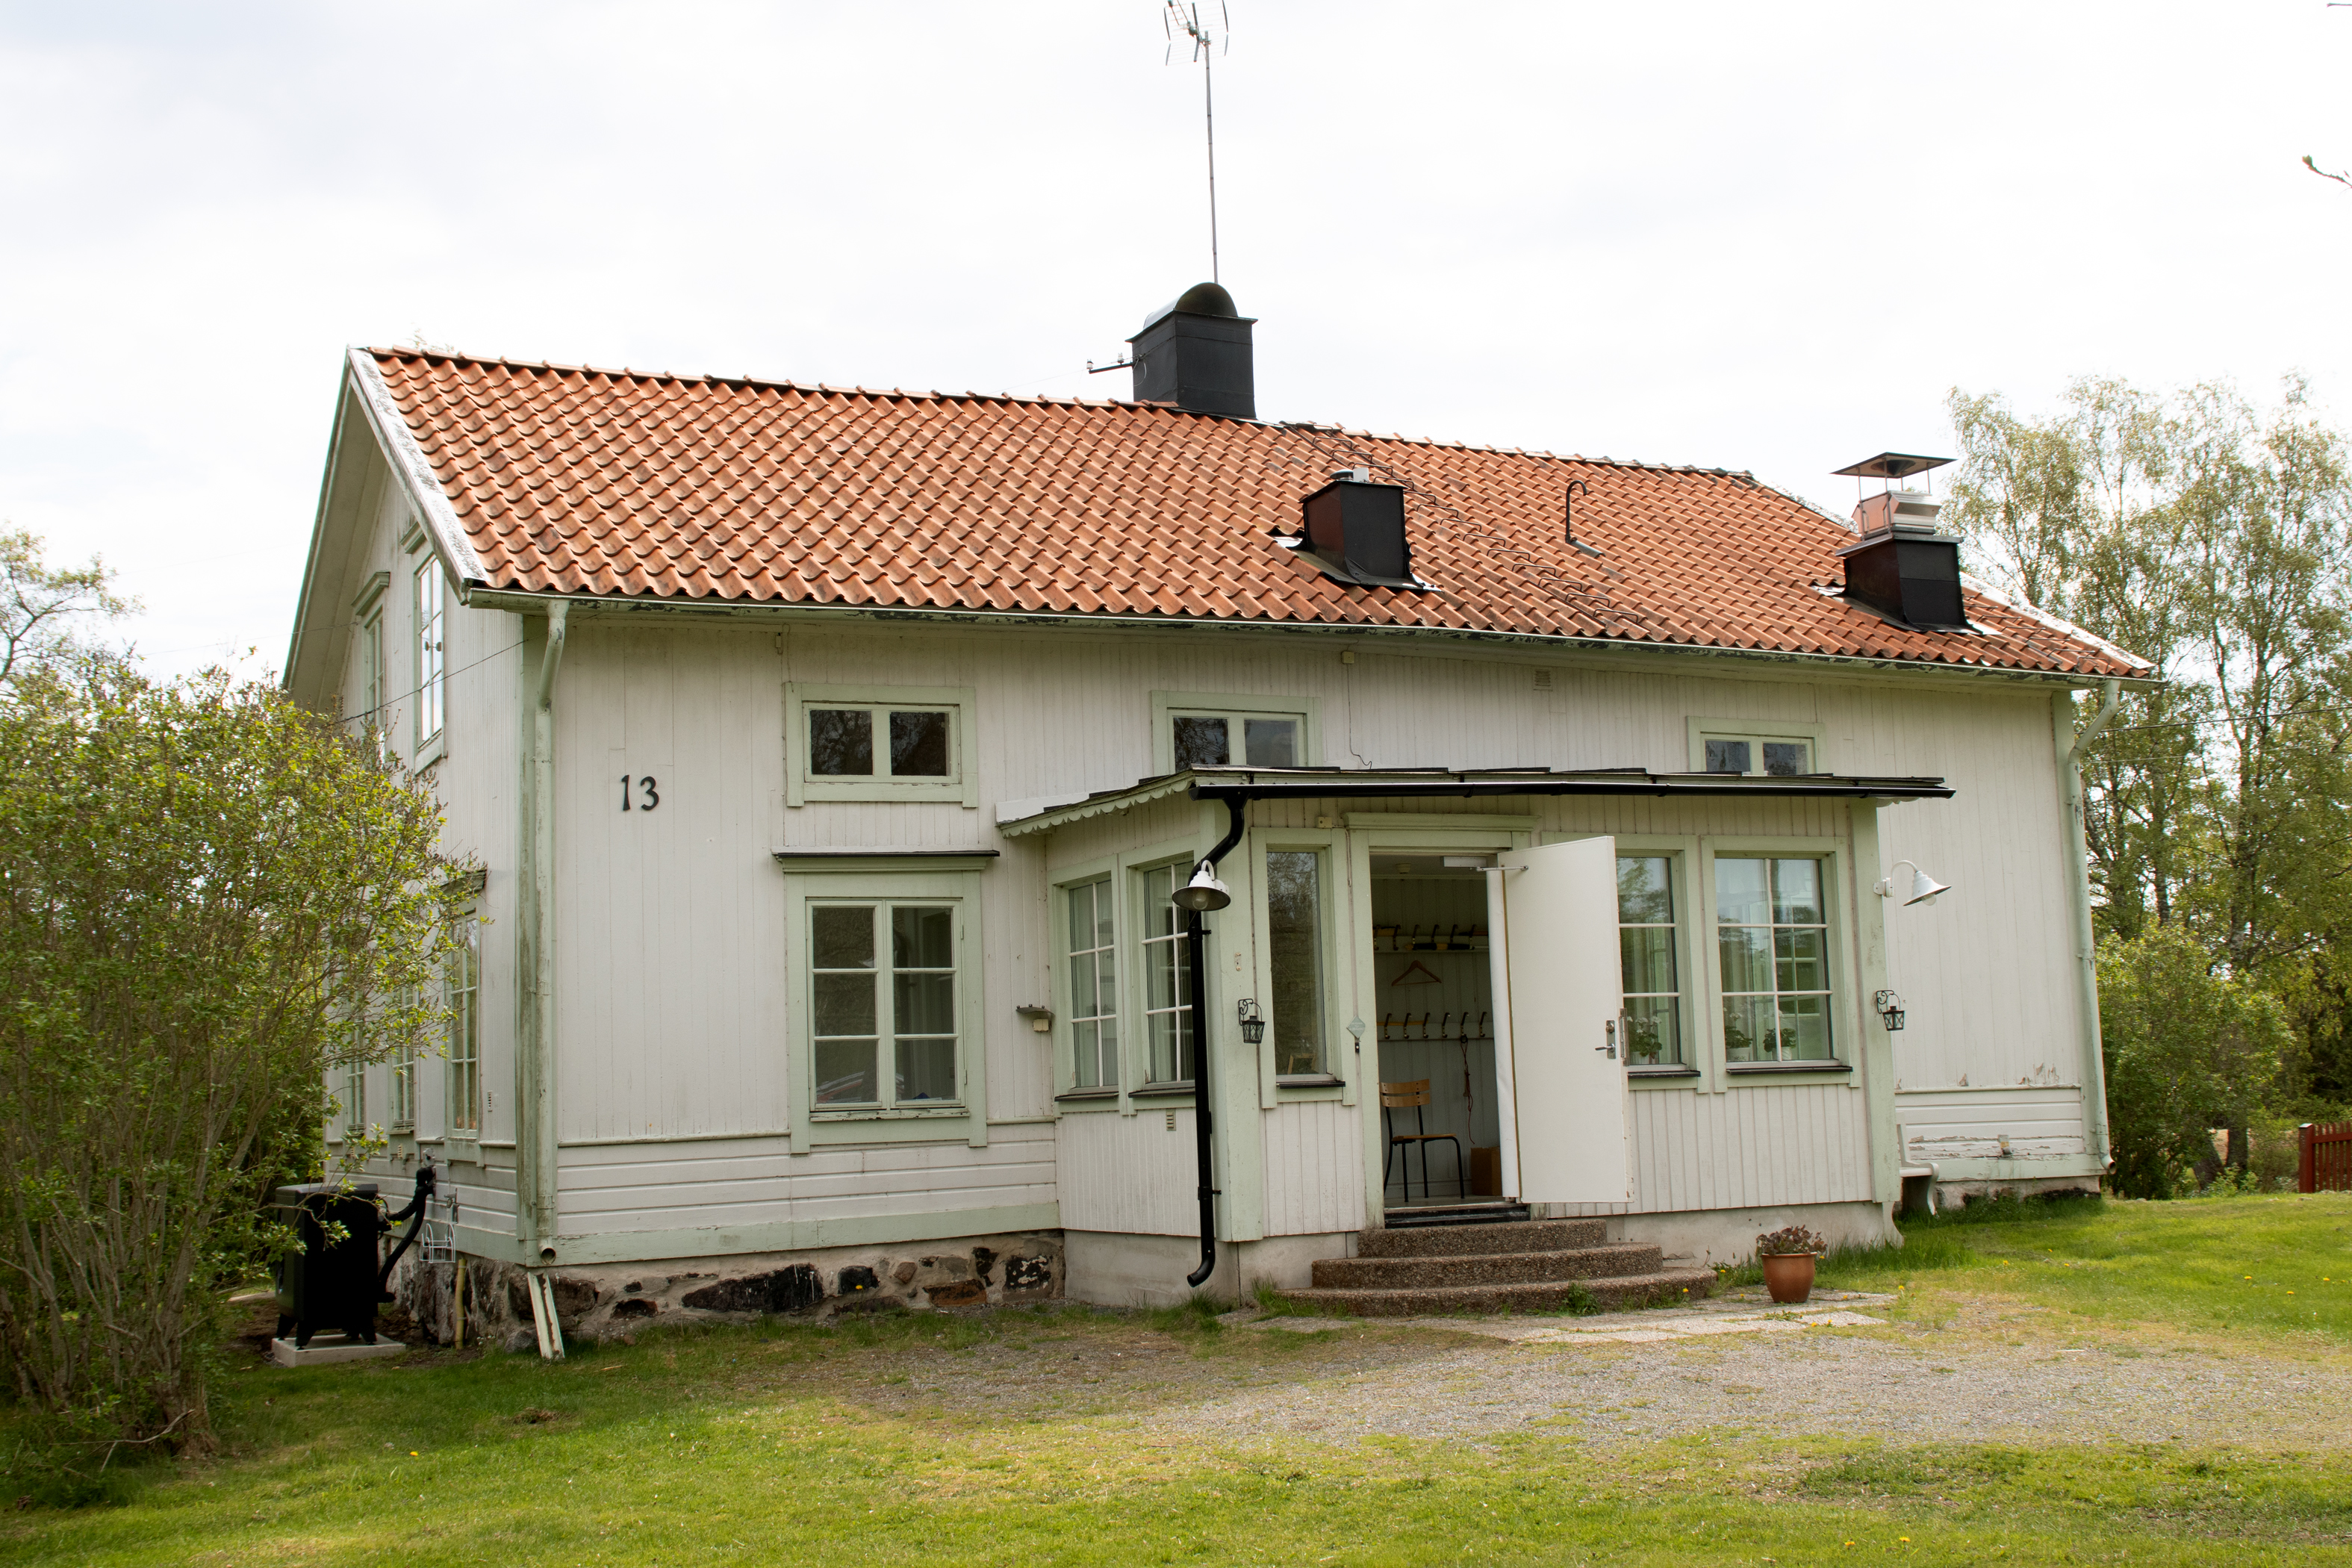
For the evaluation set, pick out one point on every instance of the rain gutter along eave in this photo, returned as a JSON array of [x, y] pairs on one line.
[[478, 593]]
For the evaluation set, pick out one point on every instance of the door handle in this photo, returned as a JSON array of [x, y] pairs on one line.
[[1610, 1048]]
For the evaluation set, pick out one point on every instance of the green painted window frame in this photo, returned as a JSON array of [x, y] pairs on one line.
[[1167, 705], [1100, 893], [464, 1103], [1687, 1034], [1323, 845], [430, 651], [802, 788], [966, 1120]]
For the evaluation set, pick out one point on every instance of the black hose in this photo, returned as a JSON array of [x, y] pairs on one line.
[[427, 1178]]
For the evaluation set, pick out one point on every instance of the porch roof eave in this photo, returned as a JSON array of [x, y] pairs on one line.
[[1239, 785]]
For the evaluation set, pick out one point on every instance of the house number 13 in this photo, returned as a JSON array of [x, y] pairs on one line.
[[643, 786]]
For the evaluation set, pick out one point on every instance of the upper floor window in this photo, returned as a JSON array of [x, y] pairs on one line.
[[1294, 928], [1741, 747], [1646, 942], [879, 744], [1094, 986], [1209, 729], [1773, 933], [432, 630], [354, 1099]]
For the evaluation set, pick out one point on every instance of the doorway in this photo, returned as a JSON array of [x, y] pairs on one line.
[[1431, 956]]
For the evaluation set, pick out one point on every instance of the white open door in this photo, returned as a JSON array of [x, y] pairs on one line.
[[1558, 993]]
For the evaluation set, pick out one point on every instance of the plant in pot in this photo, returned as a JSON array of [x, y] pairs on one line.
[[1787, 1256]]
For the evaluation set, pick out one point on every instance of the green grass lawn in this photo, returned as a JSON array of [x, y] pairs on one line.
[[775, 1443]]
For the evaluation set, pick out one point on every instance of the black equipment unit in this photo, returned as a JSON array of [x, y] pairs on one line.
[[1914, 578], [328, 1284], [1356, 529], [1196, 354]]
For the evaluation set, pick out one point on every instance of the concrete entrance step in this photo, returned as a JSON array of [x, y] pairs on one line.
[[1486, 1268], [1660, 1289], [1482, 1240]]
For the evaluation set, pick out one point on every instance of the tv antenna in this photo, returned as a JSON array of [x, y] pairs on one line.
[[1208, 42]]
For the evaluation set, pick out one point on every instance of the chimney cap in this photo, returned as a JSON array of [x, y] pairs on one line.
[[1893, 466], [1199, 299]]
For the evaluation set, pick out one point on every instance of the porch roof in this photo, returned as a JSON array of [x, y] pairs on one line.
[[1019, 817]]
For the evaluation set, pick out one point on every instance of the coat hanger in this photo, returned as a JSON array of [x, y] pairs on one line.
[[1427, 978]]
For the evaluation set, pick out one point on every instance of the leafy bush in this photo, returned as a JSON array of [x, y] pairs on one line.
[[2187, 1050], [207, 897]]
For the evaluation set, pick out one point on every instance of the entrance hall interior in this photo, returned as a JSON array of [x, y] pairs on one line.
[[1431, 953]]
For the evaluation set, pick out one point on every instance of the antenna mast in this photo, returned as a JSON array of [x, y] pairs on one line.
[[1206, 42]]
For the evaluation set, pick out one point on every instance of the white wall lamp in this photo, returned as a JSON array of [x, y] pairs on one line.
[[1924, 888]]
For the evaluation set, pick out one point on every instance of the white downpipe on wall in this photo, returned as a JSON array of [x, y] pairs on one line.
[[2087, 953], [535, 1134]]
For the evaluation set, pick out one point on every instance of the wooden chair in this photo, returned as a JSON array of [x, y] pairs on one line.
[[1413, 1097]]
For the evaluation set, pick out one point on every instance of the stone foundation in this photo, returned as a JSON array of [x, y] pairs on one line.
[[613, 1300]]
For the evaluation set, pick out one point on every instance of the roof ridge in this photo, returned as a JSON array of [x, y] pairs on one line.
[[825, 389]]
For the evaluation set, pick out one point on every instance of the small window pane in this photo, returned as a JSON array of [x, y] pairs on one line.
[[1747, 1027], [919, 744], [1644, 896], [841, 743], [1746, 958], [1804, 1028], [845, 1003], [926, 1070], [1648, 954], [1654, 1034], [1200, 742], [1271, 743], [1740, 892], [924, 1004], [1788, 758], [842, 936], [1294, 898], [1798, 960], [1726, 756], [1796, 891], [922, 938], [845, 1072], [1082, 917]]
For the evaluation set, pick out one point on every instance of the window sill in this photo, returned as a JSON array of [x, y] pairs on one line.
[[894, 1113], [1162, 1090], [1787, 1067], [1665, 1070], [430, 749], [1085, 1095], [1308, 1080]]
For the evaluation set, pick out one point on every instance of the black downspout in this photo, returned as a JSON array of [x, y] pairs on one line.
[[1202, 1118]]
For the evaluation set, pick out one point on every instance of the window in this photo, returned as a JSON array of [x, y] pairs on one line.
[[1780, 755], [1294, 918], [1772, 931], [1094, 986], [431, 630], [883, 975], [864, 743], [1645, 946], [372, 681], [354, 1099], [461, 981], [1167, 979], [1250, 740], [404, 1086]]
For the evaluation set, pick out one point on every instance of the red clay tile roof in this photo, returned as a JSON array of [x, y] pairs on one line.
[[576, 480]]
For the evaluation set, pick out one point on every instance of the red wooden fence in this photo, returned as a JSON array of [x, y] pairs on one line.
[[2325, 1163]]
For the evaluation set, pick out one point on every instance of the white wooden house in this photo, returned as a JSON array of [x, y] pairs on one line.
[[831, 756]]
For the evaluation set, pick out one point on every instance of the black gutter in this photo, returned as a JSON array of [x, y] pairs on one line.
[[1255, 785], [1236, 804]]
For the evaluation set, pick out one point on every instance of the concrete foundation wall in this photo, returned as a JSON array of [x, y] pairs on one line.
[[1112, 1270]]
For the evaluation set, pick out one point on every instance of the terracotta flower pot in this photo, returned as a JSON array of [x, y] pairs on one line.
[[1788, 1276]]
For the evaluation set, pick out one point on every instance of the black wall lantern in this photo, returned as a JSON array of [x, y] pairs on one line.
[[1253, 1020], [1890, 1010]]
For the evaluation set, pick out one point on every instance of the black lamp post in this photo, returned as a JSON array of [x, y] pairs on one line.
[[1196, 897]]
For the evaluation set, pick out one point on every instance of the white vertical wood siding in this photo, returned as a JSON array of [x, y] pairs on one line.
[[1134, 1174], [1314, 1155], [2040, 1124]]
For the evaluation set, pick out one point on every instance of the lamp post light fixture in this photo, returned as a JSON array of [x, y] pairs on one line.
[[1923, 891], [1253, 1020], [1202, 893]]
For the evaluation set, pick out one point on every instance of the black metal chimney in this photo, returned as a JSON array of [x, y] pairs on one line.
[[1195, 353]]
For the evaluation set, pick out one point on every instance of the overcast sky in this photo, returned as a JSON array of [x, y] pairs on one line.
[[1751, 237]]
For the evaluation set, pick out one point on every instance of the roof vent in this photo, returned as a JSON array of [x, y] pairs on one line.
[[1355, 530], [1901, 567], [1195, 351]]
